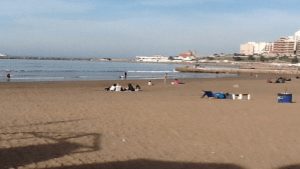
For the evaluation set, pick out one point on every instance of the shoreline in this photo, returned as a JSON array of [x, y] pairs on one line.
[[79, 124], [239, 76], [110, 82]]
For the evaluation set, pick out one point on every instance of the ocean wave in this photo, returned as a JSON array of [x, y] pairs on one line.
[[66, 71], [36, 78]]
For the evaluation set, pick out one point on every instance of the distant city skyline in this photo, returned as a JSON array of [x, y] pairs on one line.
[[283, 46], [126, 28]]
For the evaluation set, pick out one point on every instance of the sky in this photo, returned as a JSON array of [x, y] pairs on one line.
[[127, 28]]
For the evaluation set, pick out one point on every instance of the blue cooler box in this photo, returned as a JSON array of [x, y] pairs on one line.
[[284, 97]]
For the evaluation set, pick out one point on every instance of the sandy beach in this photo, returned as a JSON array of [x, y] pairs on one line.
[[78, 125]]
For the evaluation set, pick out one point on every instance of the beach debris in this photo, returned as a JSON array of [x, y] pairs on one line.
[[242, 156], [123, 140], [236, 86], [240, 96], [212, 152]]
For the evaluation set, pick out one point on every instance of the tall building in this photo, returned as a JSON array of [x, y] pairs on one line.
[[297, 43], [298, 48], [284, 46], [251, 48], [260, 47], [269, 47], [247, 48]]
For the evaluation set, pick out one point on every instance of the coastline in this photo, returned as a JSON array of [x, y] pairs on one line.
[[45, 70]]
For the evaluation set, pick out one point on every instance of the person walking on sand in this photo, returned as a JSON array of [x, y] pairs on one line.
[[165, 78]]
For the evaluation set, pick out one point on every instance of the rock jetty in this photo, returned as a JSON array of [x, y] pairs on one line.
[[285, 71]]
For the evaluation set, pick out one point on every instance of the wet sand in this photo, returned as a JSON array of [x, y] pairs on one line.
[[64, 125]]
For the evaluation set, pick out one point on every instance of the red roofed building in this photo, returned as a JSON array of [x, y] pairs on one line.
[[187, 56]]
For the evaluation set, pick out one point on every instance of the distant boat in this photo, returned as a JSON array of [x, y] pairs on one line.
[[2, 55]]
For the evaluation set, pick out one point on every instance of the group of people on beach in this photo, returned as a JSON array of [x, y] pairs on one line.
[[118, 88], [279, 80]]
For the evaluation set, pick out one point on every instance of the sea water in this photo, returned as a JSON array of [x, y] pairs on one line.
[[67, 70]]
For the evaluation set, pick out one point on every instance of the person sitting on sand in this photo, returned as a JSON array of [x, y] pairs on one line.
[[280, 80], [176, 82], [269, 81], [130, 87], [138, 88], [150, 83], [118, 87], [113, 87]]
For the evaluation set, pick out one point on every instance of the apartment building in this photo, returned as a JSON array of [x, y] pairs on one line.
[[297, 51], [284, 46], [297, 43]]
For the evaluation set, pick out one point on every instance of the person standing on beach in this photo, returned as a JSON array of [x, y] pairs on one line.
[[165, 78], [125, 75], [8, 77]]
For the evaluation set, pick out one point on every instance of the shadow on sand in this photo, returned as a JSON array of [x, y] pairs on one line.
[[152, 164], [295, 166], [57, 145]]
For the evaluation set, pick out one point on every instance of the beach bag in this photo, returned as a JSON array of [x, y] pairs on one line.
[[220, 95]]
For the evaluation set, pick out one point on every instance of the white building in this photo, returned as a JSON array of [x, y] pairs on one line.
[[247, 49], [297, 36], [297, 42], [183, 57], [154, 58], [260, 47], [2, 55], [251, 48]]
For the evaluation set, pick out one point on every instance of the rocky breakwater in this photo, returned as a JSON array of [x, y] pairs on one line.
[[250, 70]]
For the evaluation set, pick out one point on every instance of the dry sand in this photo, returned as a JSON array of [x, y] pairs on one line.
[[66, 125]]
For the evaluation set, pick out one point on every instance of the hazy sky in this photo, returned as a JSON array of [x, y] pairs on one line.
[[116, 28]]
